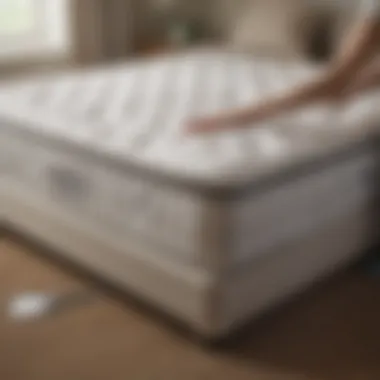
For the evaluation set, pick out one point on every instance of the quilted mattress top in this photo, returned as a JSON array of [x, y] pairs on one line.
[[136, 113]]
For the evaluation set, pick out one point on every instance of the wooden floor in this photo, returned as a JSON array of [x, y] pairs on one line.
[[332, 333]]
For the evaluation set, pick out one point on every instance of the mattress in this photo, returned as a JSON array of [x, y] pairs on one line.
[[106, 149], [109, 145]]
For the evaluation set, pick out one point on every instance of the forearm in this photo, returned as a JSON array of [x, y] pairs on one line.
[[367, 82], [356, 52], [357, 49], [299, 97]]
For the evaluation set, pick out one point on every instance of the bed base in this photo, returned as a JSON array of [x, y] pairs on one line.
[[211, 306]]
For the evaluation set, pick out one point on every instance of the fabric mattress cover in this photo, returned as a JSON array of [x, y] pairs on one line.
[[135, 114]]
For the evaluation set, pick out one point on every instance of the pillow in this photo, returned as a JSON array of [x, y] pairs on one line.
[[269, 27]]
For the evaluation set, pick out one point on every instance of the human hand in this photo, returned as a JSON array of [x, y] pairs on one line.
[[232, 120], [207, 125], [336, 90]]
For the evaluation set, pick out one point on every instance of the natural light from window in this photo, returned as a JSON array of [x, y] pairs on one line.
[[16, 17], [33, 28]]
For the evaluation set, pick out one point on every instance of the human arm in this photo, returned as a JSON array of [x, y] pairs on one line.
[[368, 81], [357, 51]]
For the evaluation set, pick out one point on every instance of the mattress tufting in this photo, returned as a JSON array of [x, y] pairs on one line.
[[137, 113]]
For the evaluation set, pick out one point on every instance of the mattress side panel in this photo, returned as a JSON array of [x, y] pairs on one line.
[[300, 205], [129, 206]]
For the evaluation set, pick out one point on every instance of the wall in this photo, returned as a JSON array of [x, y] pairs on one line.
[[275, 23], [284, 26]]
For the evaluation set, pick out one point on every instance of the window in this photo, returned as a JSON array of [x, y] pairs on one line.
[[36, 28]]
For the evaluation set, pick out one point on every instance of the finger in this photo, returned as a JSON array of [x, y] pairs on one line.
[[193, 127], [203, 127]]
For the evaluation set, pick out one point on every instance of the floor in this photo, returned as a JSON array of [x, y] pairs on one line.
[[333, 332]]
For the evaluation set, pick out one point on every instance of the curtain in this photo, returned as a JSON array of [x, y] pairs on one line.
[[102, 30]]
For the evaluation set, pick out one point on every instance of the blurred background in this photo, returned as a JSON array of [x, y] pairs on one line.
[[37, 34]]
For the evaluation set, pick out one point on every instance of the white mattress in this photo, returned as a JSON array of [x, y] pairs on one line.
[[107, 145], [136, 112]]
